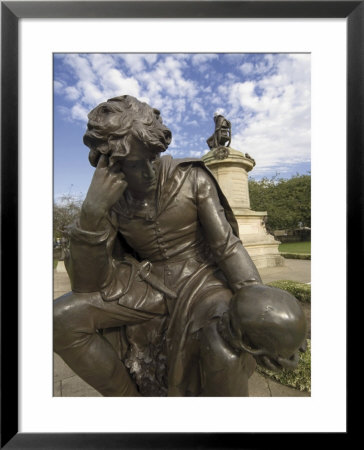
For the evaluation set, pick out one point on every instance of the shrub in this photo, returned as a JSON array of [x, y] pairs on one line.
[[301, 291], [287, 201], [299, 378], [296, 256]]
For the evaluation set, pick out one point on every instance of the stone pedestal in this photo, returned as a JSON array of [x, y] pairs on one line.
[[230, 167]]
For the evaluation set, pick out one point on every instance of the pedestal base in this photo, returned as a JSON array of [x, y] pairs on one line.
[[230, 168], [261, 246]]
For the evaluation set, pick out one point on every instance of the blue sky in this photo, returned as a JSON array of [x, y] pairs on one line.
[[266, 97]]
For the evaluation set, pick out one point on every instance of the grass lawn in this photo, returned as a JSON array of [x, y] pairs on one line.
[[296, 247]]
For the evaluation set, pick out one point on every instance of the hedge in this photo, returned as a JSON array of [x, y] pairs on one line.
[[299, 378], [296, 256], [301, 291]]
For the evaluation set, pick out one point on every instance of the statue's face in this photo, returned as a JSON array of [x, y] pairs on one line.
[[139, 169]]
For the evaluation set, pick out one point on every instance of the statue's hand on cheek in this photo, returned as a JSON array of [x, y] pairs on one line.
[[106, 188]]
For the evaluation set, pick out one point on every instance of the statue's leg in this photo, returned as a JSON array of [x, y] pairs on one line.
[[77, 317], [224, 372]]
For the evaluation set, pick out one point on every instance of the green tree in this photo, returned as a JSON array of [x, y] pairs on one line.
[[65, 212], [287, 201]]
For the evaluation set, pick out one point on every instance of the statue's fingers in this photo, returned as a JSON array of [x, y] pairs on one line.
[[288, 363], [269, 364], [116, 167], [103, 162], [122, 185]]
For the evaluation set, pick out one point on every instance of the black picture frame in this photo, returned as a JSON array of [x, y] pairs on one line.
[[11, 12]]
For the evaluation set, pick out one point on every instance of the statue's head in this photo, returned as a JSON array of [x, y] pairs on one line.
[[113, 125], [268, 323]]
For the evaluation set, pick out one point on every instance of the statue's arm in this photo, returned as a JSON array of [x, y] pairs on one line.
[[90, 263], [228, 250]]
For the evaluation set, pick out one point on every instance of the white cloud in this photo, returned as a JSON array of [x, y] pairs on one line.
[[196, 153], [58, 87], [158, 80], [79, 113], [97, 80], [134, 62], [201, 58], [201, 61], [273, 113], [64, 111], [266, 97], [191, 123], [72, 93], [261, 66], [91, 94], [167, 77], [198, 109], [113, 81], [150, 58], [101, 63], [81, 67], [220, 111], [247, 68]]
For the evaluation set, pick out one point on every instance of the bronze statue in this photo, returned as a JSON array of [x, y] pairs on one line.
[[165, 299], [222, 133]]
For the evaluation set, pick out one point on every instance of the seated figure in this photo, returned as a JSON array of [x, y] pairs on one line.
[[154, 262]]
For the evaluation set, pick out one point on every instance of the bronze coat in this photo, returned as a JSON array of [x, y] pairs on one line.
[[190, 236]]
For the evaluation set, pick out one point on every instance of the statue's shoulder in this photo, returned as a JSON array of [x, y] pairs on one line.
[[172, 166], [180, 169], [170, 163]]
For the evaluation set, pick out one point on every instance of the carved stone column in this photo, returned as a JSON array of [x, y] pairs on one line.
[[230, 167]]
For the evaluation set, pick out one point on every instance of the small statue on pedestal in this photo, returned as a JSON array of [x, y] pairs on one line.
[[222, 133]]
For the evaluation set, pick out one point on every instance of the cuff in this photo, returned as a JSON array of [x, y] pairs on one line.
[[88, 237]]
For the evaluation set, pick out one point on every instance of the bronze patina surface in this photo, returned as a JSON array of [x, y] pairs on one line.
[[165, 299]]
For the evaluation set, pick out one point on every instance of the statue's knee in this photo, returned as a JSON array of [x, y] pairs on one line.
[[60, 319], [69, 317]]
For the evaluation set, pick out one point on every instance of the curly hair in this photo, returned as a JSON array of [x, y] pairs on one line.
[[112, 123]]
